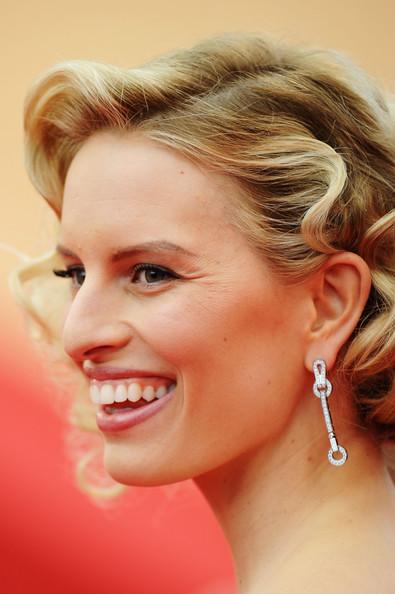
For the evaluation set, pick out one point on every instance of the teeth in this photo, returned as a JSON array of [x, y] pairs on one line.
[[121, 393], [95, 393], [161, 391], [134, 392], [148, 393], [106, 393]]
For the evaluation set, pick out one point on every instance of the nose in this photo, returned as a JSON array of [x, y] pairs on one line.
[[93, 327]]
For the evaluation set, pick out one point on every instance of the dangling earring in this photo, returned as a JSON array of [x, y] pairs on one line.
[[322, 389]]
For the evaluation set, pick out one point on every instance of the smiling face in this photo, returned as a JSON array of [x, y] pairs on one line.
[[212, 316]]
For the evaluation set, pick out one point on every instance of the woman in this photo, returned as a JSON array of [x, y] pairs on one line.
[[227, 222]]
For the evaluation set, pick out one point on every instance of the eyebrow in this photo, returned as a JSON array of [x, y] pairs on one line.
[[127, 252]]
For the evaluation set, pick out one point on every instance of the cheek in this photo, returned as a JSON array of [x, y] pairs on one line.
[[236, 362], [233, 336], [179, 328]]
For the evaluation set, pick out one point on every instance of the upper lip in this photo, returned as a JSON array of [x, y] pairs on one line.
[[103, 373]]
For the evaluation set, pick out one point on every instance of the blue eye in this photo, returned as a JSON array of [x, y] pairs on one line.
[[76, 273], [153, 274]]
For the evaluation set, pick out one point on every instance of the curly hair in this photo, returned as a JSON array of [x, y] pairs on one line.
[[304, 132]]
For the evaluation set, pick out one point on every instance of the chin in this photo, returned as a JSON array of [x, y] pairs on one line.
[[128, 468]]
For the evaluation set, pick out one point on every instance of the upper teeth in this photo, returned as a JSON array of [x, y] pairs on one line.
[[105, 393]]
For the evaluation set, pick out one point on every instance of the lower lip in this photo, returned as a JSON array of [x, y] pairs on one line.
[[125, 420]]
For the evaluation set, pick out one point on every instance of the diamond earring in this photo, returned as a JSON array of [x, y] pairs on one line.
[[322, 389]]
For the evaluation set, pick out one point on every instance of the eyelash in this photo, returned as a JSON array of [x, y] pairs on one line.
[[72, 270]]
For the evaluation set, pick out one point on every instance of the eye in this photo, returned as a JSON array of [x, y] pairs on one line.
[[76, 273], [152, 274], [146, 274]]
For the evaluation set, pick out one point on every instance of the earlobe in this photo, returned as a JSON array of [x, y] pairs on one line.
[[339, 291]]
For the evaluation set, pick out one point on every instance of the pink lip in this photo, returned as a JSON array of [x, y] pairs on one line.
[[103, 373], [125, 420]]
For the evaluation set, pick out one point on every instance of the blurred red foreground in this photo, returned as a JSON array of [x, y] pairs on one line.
[[55, 541]]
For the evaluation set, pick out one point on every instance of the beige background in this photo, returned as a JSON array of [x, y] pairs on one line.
[[35, 34]]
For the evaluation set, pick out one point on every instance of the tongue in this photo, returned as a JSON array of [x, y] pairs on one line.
[[118, 406]]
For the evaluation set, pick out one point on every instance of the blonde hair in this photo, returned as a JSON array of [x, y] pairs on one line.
[[306, 135]]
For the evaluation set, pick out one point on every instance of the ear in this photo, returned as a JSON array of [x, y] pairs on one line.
[[338, 293]]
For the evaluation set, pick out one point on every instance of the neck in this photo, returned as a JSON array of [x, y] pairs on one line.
[[278, 501]]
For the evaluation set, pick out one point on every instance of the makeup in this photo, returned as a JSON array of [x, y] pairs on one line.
[[119, 421]]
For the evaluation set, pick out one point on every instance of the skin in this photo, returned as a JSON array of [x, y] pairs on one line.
[[243, 422]]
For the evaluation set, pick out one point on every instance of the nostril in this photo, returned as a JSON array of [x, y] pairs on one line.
[[99, 350], [88, 338]]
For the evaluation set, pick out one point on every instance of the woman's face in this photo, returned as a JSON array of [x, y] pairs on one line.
[[217, 321]]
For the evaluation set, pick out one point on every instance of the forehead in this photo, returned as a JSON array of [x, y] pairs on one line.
[[116, 178]]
